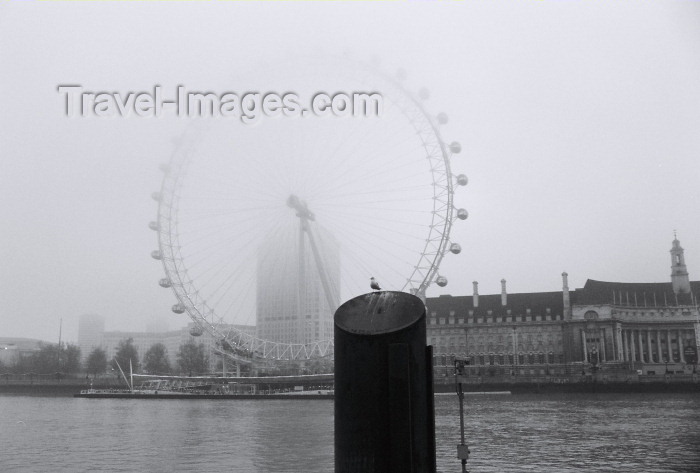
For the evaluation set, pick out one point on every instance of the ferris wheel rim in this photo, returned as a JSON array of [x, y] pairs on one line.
[[250, 348]]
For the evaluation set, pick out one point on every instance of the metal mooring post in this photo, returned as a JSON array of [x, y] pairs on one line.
[[384, 406], [462, 448]]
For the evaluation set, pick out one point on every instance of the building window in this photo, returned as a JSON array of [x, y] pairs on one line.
[[521, 359]]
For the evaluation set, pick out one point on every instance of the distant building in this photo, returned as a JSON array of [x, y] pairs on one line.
[[292, 306], [647, 327], [12, 350], [143, 341], [91, 329]]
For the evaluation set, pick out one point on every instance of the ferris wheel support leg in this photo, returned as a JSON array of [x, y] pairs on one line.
[[319, 266], [302, 274]]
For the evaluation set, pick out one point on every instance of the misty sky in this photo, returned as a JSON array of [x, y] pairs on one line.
[[578, 123]]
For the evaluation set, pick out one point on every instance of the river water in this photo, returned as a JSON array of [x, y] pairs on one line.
[[552, 433]]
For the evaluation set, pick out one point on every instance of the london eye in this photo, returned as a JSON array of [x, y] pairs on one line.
[[263, 231]]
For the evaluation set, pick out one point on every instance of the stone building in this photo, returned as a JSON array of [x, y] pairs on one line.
[[647, 328]]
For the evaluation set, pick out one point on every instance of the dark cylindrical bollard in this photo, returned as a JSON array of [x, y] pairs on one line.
[[384, 410]]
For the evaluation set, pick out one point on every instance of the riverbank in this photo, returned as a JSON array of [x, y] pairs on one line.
[[583, 387], [70, 389]]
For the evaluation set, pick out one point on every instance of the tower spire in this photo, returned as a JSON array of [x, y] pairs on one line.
[[679, 273]]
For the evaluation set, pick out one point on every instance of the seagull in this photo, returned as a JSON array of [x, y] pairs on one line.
[[374, 284]]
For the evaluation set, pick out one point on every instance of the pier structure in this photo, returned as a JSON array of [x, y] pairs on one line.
[[384, 407]]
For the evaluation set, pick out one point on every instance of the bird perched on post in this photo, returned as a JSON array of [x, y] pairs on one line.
[[374, 284]]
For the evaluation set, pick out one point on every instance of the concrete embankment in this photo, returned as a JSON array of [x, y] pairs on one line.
[[72, 387], [66, 387], [584, 387]]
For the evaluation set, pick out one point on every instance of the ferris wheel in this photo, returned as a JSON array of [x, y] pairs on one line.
[[264, 230]]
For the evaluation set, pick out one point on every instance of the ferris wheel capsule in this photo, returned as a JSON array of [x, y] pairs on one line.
[[462, 179], [156, 196], [455, 147], [196, 331], [178, 308], [165, 282], [156, 254], [462, 214], [455, 248], [442, 118], [441, 281], [424, 94], [154, 226]]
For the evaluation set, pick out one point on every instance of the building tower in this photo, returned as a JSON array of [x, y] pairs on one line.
[[291, 304], [679, 273], [91, 329]]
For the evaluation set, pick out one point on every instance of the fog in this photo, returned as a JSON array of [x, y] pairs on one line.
[[578, 124]]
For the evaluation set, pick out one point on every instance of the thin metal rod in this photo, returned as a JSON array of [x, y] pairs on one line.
[[460, 394]]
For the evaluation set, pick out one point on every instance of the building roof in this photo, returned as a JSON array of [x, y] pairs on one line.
[[633, 294], [518, 303], [21, 343]]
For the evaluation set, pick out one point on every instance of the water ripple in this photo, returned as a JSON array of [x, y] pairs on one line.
[[564, 433]]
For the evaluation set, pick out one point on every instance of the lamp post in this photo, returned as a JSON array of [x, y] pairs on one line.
[[593, 357], [462, 448]]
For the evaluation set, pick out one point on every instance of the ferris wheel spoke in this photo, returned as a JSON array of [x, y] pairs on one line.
[[374, 164]]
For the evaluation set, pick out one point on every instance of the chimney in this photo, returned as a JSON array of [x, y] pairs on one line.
[[476, 294], [504, 295], [565, 295]]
